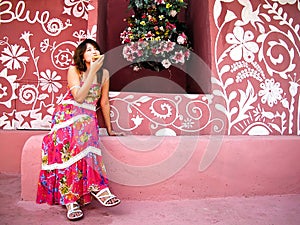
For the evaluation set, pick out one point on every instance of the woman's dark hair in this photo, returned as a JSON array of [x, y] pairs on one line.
[[79, 52]]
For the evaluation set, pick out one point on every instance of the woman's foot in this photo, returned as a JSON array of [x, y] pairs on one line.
[[73, 211], [106, 198]]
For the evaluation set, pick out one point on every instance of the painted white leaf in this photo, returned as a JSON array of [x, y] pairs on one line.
[[90, 7], [229, 16], [292, 53], [275, 126], [280, 10], [283, 115], [36, 59], [260, 54], [128, 97], [291, 67], [217, 11], [215, 81], [249, 89], [113, 94], [228, 82], [261, 28], [247, 99], [129, 109], [290, 35], [297, 28], [43, 96], [221, 108], [261, 38], [270, 71], [144, 99], [232, 96], [218, 93], [224, 69], [233, 110], [283, 75], [267, 17], [273, 28]]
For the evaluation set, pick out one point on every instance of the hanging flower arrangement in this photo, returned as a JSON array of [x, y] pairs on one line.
[[155, 38]]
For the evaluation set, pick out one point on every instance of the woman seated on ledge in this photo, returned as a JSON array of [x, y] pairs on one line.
[[72, 168]]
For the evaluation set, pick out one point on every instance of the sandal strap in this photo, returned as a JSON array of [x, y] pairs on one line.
[[73, 208], [108, 195], [104, 196]]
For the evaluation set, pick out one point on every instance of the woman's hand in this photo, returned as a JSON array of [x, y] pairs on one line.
[[96, 63], [113, 133]]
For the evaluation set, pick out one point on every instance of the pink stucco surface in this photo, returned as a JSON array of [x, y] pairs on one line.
[[258, 210], [11, 145], [187, 167]]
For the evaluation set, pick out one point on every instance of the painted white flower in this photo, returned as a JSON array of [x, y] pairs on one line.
[[3, 91], [25, 36], [44, 45], [244, 47], [49, 81], [92, 34], [271, 92], [12, 56], [137, 120], [78, 8], [188, 123]]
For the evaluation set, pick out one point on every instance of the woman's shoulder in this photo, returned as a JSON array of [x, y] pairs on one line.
[[73, 69]]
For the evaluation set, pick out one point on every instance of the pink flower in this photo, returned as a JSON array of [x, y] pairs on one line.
[[166, 63], [173, 13], [170, 26], [169, 46], [128, 54], [178, 57], [149, 35], [125, 37], [181, 39], [187, 54], [158, 2]]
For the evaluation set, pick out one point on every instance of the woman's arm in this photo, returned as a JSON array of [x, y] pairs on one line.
[[105, 105], [80, 92]]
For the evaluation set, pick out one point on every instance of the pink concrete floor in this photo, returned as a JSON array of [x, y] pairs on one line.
[[260, 210]]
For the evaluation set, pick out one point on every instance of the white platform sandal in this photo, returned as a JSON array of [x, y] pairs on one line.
[[106, 198], [74, 208]]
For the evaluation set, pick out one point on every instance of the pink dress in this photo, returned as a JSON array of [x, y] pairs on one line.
[[71, 156]]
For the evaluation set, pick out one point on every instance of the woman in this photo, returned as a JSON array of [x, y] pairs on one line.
[[72, 167]]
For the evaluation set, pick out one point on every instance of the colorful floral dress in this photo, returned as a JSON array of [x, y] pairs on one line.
[[71, 157]]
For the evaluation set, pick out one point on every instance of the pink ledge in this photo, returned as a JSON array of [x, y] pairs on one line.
[[187, 167]]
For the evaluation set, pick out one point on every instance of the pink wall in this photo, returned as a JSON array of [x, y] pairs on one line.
[[11, 147], [165, 168], [254, 58]]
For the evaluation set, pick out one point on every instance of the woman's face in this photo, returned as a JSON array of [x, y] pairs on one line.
[[90, 52]]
